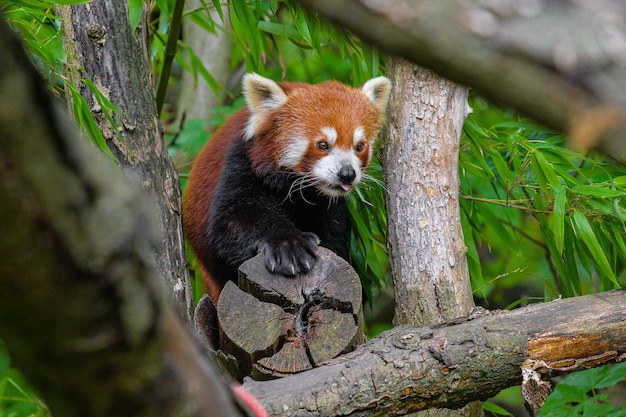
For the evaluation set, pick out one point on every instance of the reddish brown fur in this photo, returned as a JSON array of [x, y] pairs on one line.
[[203, 179], [308, 109]]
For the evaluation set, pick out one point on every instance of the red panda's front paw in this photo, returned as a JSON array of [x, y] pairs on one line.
[[292, 256]]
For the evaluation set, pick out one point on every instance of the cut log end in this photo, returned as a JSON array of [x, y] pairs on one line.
[[277, 326]]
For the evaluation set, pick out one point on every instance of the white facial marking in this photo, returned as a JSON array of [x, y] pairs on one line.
[[293, 152], [359, 135], [330, 133], [326, 172]]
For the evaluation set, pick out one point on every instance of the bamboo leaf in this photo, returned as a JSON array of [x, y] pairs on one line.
[[163, 6], [598, 191], [585, 233], [198, 66], [570, 276], [620, 182], [281, 30], [302, 25], [473, 259], [203, 20], [544, 172], [218, 7], [245, 26], [561, 278], [135, 10], [85, 120], [557, 222]]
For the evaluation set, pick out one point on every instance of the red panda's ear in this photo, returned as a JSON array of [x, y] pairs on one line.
[[378, 90], [262, 95]]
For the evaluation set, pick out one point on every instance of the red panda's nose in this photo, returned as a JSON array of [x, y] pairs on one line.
[[346, 175]]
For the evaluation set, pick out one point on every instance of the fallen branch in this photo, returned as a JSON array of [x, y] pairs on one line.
[[413, 368]]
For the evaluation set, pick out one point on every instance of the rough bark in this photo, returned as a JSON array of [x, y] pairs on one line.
[[82, 311], [99, 41], [420, 161], [414, 368], [425, 240], [562, 62]]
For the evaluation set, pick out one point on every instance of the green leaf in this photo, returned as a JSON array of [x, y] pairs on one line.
[[544, 171], [281, 30], [135, 10], [163, 6], [203, 20], [569, 265], [585, 233], [245, 27], [193, 136], [556, 256], [620, 182], [198, 66], [218, 6], [302, 25], [495, 409], [597, 191], [85, 120], [557, 222]]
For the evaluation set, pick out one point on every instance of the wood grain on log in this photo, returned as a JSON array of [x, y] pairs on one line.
[[276, 326]]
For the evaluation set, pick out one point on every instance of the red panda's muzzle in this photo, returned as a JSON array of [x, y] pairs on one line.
[[346, 175], [337, 173]]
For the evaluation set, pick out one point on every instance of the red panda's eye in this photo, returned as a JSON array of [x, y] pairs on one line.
[[322, 145], [360, 147]]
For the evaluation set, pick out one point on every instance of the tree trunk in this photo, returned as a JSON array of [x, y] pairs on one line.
[[563, 63], [98, 39], [420, 160]]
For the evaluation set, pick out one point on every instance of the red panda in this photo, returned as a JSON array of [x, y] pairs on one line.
[[273, 178]]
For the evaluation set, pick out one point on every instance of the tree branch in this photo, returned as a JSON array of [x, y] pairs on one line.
[[408, 369], [562, 62]]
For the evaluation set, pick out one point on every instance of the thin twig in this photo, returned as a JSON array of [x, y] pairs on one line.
[[170, 52]]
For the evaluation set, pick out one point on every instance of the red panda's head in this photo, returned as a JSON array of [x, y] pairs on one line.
[[324, 132]]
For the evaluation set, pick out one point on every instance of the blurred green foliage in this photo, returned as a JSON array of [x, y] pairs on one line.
[[540, 220]]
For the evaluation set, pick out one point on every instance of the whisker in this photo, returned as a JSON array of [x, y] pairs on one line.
[[370, 181], [298, 185]]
